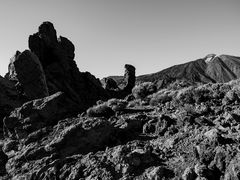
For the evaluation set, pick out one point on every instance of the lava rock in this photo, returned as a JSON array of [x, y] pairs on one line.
[[37, 114], [30, 74], [110, 84]]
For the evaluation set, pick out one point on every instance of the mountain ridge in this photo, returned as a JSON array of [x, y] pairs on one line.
[[210, 69]]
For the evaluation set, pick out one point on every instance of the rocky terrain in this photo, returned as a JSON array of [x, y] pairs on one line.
[[59, 123], [210, 69]]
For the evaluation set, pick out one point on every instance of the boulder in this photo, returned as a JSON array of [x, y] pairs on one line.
[[233, 169], [49, 67], [30, 74], [110, 84], [38, 113]]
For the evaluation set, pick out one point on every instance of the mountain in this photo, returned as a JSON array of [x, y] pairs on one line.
[[211, 68]]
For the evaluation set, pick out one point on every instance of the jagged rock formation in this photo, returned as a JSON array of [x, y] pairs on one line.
[[129, 82], [50, 67], [62, 74], [110, 84]]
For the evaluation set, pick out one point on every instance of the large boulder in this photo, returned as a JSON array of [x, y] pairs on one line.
[[30, 74], [37, 114]]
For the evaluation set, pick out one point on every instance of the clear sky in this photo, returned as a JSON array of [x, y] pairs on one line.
[[150, 34]]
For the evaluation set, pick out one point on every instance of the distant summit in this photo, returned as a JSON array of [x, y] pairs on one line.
[[209, 69]]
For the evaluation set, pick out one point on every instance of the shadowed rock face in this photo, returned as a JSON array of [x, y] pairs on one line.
[[29, 73], [129, 77], [129, 81], [50, 67]]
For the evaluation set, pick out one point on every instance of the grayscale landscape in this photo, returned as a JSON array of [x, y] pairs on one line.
[[59, 122]]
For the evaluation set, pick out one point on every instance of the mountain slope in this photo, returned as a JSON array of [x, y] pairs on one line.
[[211, 68]]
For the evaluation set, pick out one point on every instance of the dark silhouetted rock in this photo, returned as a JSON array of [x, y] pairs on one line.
[[61, 71], [129, 81], [3, 161], [130, 78], [9, 98], [30, 74], [110, 84], [50, 67]]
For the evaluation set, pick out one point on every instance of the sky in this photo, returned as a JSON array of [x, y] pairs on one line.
[[149, 34]]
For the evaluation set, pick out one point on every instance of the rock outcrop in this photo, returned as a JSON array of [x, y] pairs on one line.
[[30, 75], [9, 98], [62, 74], [42, 87], [49, 67], [129, 81], [110, 84], [39, 113]]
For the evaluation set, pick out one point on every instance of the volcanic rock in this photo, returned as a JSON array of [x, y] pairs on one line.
[[62, 74], [129, 81], [9, 98], [36, 114], [3, 161], [189, 174], [110, 84], [30, 74]]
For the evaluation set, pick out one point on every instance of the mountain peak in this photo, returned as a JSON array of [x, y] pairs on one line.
[[210, 57]]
